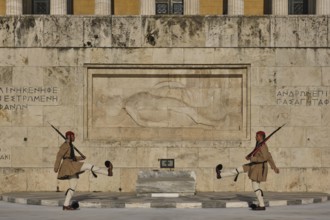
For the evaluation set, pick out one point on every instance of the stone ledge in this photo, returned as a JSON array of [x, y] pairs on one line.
[[164, 31]]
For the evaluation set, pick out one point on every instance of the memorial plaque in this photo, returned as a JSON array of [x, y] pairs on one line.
[[167, 102]]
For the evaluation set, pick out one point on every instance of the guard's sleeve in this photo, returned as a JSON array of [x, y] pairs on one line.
[[60, 154], [270, 160]]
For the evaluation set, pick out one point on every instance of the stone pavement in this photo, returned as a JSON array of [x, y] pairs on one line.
[[130, 200]]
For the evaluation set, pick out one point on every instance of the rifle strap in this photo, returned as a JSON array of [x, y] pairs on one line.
[[72, 154]]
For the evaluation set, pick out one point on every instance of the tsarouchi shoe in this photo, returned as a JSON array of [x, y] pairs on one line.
[[68, 208], [259, 208]]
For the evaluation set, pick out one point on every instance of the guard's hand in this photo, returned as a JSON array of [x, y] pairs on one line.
[[277, 170], [248, 158], [55, 170]]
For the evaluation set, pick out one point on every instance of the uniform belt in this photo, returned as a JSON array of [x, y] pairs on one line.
[[263, 165]]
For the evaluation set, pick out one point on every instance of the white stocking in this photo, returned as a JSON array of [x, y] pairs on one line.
[[69, 193], [233, 172], [87, 166], [259, 193]]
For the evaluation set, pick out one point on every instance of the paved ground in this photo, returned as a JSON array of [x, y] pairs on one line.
[[10, 211], [129, 200]]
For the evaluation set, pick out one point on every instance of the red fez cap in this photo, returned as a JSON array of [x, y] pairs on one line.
[[261, 133], [69, 133]]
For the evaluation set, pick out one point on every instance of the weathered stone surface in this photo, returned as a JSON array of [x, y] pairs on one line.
[[305, 116], [270, 115], [46, 57], [317, 136], [29, 31], [222, 32], [296, 57], [299, 32], [126, 32], [184, 157], [159, 31], [7, 25], [325, 114], [149, 157], [27, 76], [297, 137], [202, 175], [6, 76], [13, 179], [209, 157], [58, 31], [28, 160], [191, 56], [155, 31], [283, 76], [41, 178], [326, 76], [128, 178], [165, 182], [254, 32], [306, 157], [13, 136], [263, 95], [97, 32], [30, 116]]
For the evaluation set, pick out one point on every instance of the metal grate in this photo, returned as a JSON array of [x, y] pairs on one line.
[[162, 8], [169, 7], [298, 7], [41, 7], [177, 8]]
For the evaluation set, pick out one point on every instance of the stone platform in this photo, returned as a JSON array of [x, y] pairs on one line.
[[180, 183], [130, 200]]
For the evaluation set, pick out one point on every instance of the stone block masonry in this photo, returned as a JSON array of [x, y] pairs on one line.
[[139, 88]]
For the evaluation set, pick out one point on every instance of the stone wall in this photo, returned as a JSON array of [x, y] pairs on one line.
[[75, 71]]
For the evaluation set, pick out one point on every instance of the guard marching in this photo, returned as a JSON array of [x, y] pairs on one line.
[[69, 167], [257, 169]]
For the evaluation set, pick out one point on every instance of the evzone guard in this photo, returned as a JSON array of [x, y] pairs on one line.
[[69, 167], [257, 169]]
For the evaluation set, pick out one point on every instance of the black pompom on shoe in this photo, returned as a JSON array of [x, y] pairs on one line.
[[218, 169], [109, 165], [75, 205]]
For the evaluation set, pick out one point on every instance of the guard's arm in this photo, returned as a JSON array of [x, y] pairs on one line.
[[59, 157]]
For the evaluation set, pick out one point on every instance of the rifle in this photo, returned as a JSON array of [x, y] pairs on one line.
[[259, 145], [83, 156]]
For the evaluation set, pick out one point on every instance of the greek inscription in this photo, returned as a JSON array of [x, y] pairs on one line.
[[3, 155], [20, 98], [297, 96]]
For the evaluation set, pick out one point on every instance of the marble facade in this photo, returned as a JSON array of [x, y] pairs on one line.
[[136, 89]]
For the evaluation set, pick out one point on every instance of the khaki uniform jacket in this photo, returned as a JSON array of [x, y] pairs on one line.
[[68, 168], [258, 168]]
